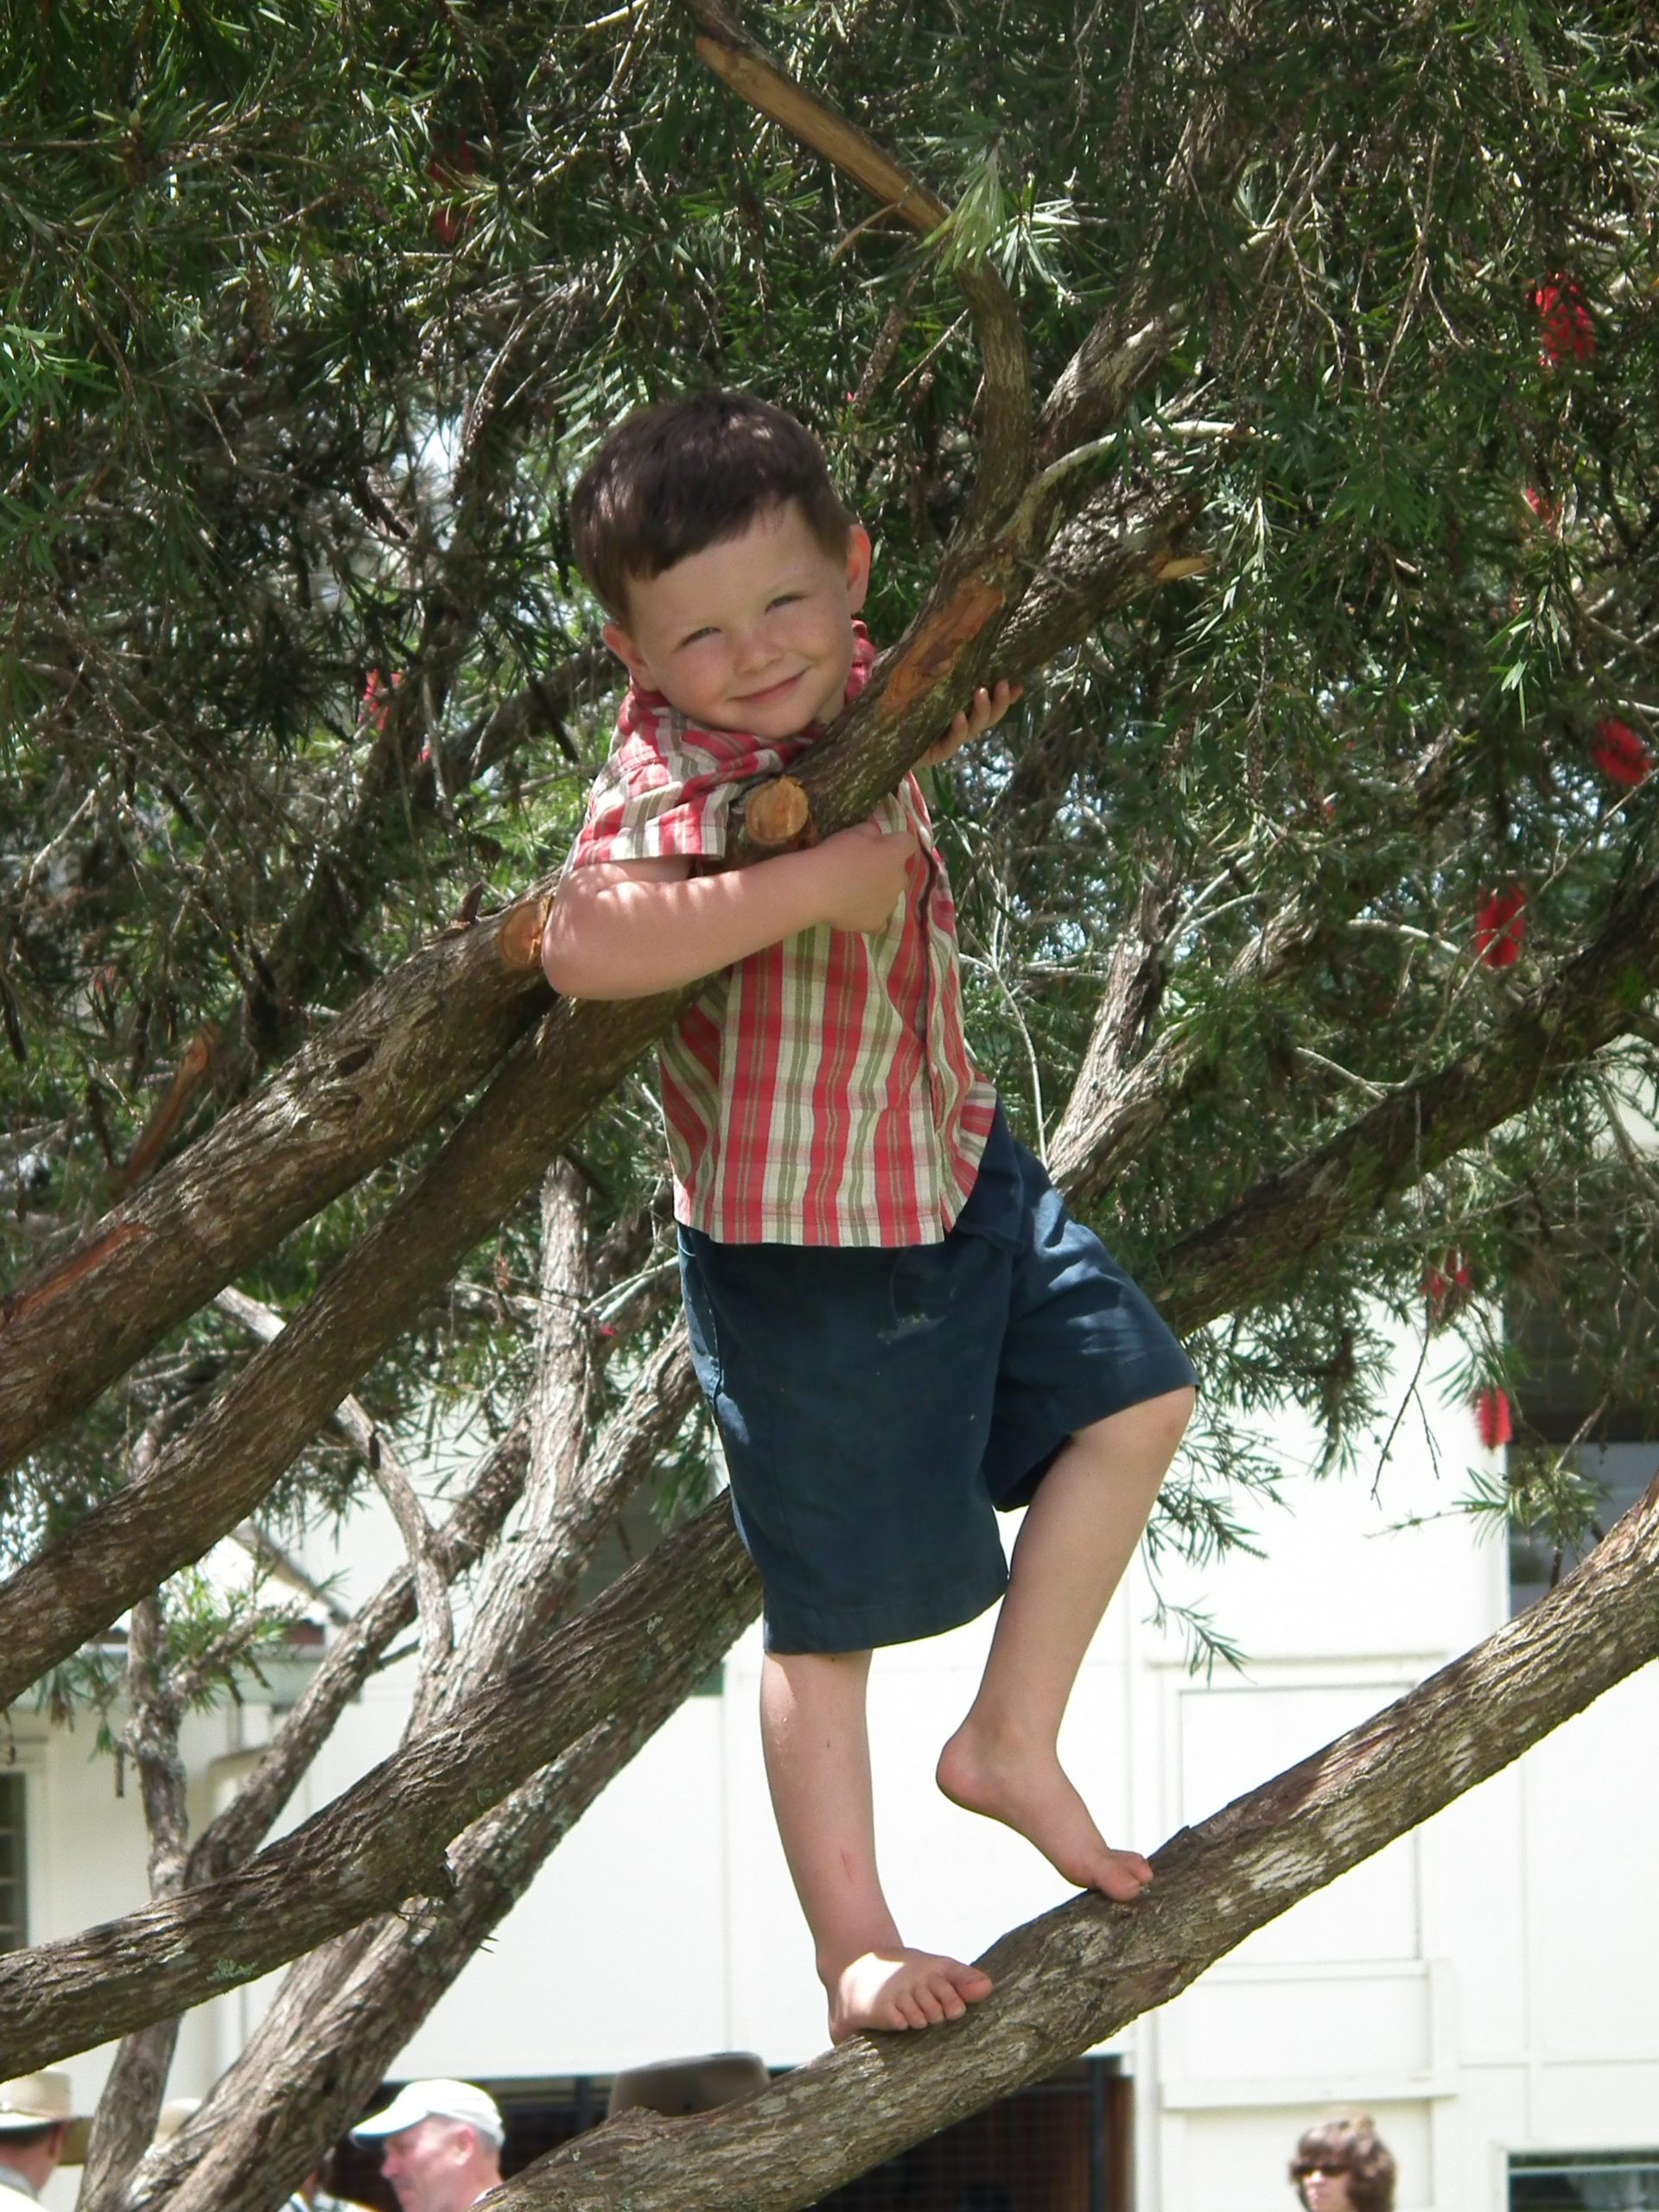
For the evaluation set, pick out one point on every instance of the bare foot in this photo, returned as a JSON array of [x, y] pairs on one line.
[[902, 1989], [1025, 1787]]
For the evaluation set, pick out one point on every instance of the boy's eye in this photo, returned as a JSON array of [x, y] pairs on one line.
[[785, 599], [696, 637]]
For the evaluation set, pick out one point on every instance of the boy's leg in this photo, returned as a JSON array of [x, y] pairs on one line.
[[1080, 1532], [812, 1727]]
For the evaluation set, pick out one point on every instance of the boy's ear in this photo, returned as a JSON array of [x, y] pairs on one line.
[[620, 642], [858, 566]]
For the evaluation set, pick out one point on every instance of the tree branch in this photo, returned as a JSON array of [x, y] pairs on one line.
[[231, 1840], [351, 1099], [1252, 1252], [1082, 1973], [1005, 454]]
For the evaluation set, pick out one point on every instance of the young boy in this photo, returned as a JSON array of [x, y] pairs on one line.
[[899, 1328]]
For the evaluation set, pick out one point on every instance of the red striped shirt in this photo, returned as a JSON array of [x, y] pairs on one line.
[[822, 1090]]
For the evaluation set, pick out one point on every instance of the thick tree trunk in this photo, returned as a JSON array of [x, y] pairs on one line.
[[1082, 1973]]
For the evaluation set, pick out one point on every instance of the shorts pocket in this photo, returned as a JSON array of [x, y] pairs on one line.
[[921, 1289], [701, 1326]]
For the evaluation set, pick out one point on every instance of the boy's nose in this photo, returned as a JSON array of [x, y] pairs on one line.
[[754, 651]]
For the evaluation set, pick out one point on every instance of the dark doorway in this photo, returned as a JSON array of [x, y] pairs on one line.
[[1061, 2145]]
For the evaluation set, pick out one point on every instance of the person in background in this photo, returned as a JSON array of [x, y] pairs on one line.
[[40, 2129], [1344, 2165], [441, 2145]]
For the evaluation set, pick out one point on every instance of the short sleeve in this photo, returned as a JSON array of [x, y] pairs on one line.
[[666, 791]]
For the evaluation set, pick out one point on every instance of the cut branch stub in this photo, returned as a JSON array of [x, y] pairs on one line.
[[518, 935], [777, 817]]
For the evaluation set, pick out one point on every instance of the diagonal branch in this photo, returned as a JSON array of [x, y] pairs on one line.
[[352, 1098], [391, 1478], [237, 1832], [1005, 456], [1082, 1973], [1252, 1251]]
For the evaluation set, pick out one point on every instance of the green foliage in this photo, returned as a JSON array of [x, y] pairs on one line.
[[313, 313]]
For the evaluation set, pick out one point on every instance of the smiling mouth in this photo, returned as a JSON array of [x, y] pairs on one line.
[[770, 690]]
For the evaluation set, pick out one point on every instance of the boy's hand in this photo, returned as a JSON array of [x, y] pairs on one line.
[[866, 866], [988, 707]]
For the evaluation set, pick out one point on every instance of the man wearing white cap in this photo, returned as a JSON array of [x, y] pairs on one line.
[[441, 2145], [39, 2128]]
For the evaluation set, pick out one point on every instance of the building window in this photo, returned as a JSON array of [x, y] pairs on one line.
[[14, 1902], [1591, 2181], [1615, 1475]]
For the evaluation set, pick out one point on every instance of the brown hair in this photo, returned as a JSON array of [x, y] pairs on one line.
[[672, 478], [1351, 2145]]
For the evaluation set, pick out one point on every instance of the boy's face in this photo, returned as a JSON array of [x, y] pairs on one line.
[[755, 634]]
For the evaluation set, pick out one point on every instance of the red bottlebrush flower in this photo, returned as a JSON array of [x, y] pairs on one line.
[[1548, 512], [448, 218], [1500, 925], [1622, 756], [377, 699], [1493, 1419], [1445, 1284], [1564, 330]]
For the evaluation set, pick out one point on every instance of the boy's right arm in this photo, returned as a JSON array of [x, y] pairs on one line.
[[626, 929]]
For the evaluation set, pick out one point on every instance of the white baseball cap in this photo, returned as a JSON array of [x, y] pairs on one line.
[[439, 2100]]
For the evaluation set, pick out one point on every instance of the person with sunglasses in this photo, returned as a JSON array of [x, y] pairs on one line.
[[1342, 2165]]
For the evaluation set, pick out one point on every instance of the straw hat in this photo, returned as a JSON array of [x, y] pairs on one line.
[[680, 2085], [41, 2100]]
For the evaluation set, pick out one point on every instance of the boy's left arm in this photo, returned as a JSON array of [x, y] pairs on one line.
[[988, 707]]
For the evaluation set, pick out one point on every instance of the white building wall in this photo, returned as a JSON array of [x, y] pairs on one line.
[[1485, 1986]]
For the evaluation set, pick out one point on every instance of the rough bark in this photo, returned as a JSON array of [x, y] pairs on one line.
[[131, 2098], [1082, 1973], [352, 1098], [385, 1839], [310, 2069]]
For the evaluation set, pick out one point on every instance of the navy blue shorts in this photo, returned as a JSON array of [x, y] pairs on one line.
[[879, 1406]]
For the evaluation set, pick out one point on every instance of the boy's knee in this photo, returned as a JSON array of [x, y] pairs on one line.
[[1171, 1413], [1159, 1421]]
